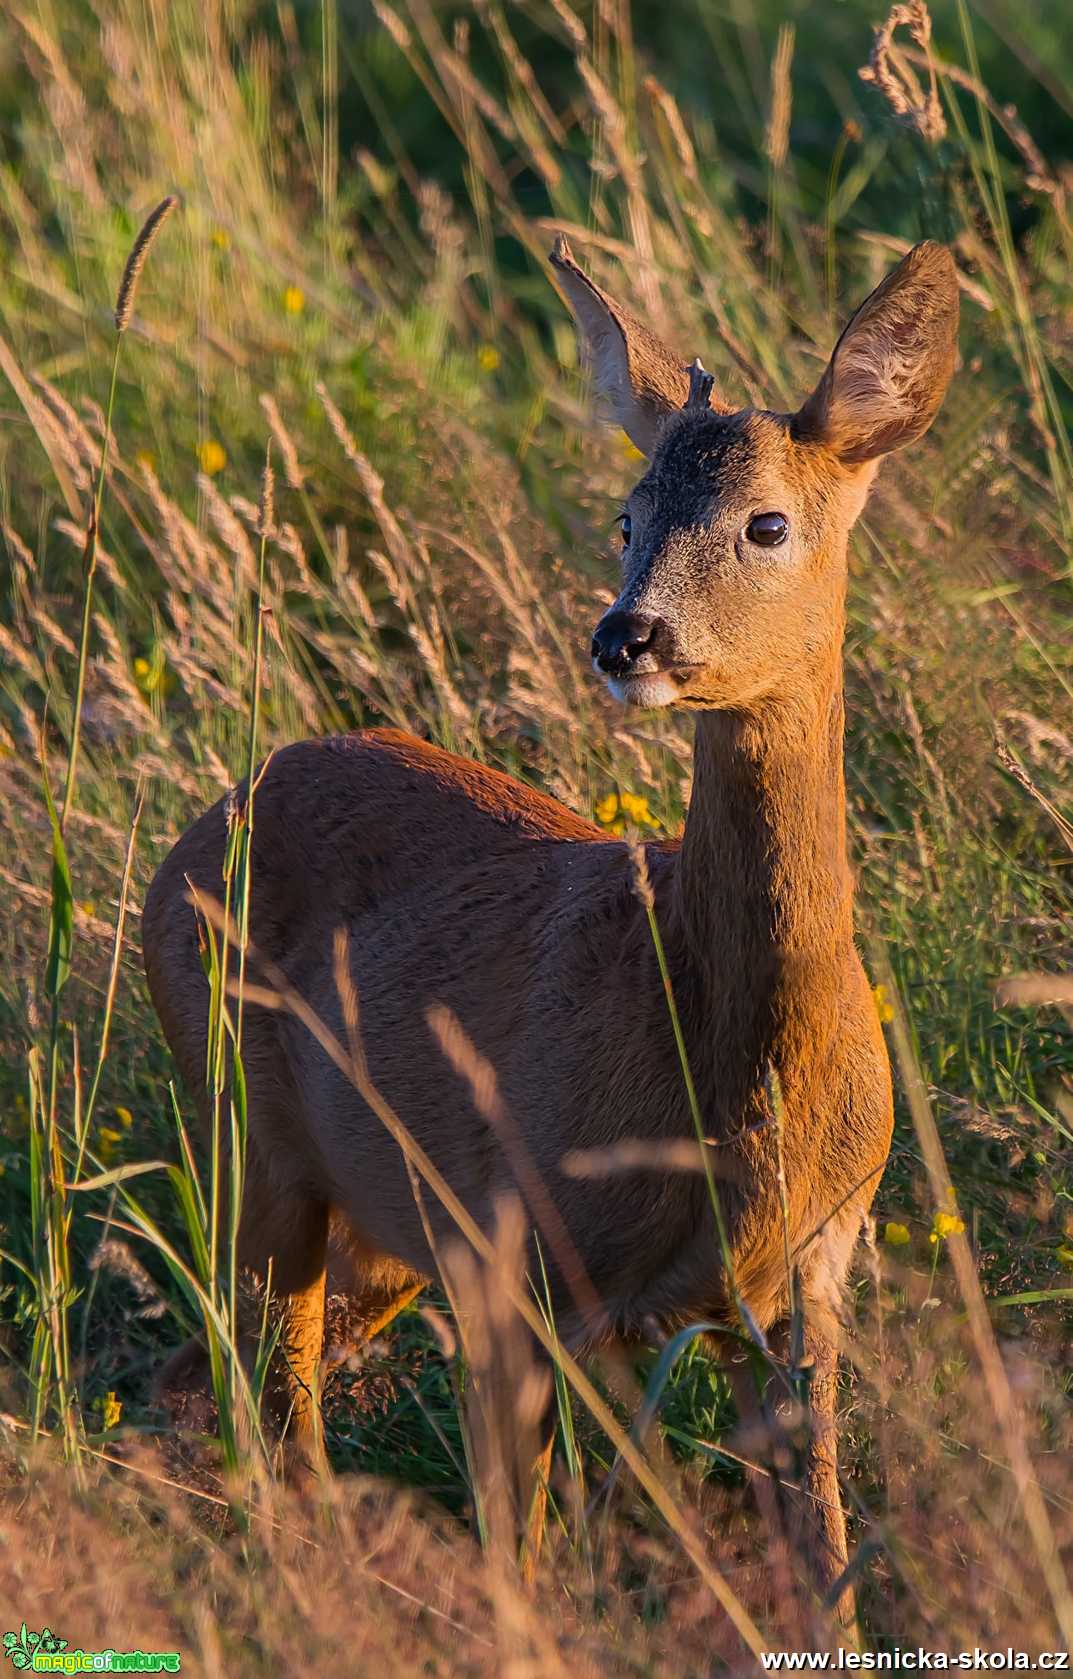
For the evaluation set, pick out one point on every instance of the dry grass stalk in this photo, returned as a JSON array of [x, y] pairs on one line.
[[777, 136], [1008, 1405], [888, 70], [1037, 991], [522, 71], [518, 608], [478, 1072], [371, 483], [681, 1154], [1021, 775], [50, 435], [1039, 176], [86, 453], [278, 993], [292, 470], [1036, 988]]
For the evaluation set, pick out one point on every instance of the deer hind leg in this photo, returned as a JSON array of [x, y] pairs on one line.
[[283, 1229], [285, 1239], [536, 1519], [282, 1241]]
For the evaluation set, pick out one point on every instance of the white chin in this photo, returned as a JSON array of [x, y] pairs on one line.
[[647, 691]]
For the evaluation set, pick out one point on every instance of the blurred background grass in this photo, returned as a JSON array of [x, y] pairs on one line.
[[366, 198]]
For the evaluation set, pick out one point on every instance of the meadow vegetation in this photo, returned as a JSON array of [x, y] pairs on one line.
[[354, 278]]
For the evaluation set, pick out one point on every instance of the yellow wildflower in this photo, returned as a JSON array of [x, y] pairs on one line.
[[896, 1235], [884, 1007], [629, 449], [125, 1118], [107, 1138], [609, 815], [294, 300], [947, 1224], [636, 808], [88, 907], [221, 238], [146, 458], [153, 676], [614, 811], [110, 1408], [212, 455], [488, 358]]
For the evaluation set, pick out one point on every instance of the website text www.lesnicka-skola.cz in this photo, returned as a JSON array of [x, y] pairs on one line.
[[916, 1660]]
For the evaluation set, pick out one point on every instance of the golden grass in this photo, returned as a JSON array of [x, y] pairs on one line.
[[436, 552]]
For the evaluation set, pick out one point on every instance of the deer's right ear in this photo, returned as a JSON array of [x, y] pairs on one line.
[[638, 378], [891, 366]]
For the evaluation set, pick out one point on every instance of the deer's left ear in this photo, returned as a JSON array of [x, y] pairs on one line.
[[890, 368], [639, 379]]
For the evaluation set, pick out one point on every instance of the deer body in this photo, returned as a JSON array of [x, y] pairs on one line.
[[542, 951], [459, 888]]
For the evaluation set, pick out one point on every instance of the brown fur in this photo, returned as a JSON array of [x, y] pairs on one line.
[[460, 887]]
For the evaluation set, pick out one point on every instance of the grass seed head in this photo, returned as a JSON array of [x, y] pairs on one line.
[[642, 884], [892, 76], [266, 519], [128, 285]]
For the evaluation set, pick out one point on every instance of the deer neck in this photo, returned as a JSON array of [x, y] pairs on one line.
[[762, 890]]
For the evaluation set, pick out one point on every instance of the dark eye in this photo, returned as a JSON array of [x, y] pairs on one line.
[[626, 527], [767, 530]]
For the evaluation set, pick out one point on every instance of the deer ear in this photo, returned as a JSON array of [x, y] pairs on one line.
[[639, 380], [891, 366]]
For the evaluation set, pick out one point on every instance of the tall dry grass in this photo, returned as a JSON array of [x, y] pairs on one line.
[[439, 552]]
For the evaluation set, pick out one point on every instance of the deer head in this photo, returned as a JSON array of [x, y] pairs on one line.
[[734, 540]]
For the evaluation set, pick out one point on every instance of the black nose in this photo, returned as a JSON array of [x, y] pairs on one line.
[[620, 638]]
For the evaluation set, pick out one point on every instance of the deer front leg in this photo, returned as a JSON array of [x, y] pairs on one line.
[[793, 1467], [762, 1442], [821, 1519]]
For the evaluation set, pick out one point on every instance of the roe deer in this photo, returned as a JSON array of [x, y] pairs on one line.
[[461, 888]]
